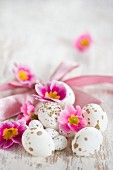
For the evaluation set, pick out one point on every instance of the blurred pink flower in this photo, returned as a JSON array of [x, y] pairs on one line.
[[23, 74], [71, 119], [27, 114], [27, 108], [54, 91], [83, 42], [11, 133]]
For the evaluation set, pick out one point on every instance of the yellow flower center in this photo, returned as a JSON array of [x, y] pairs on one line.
[[52, 95], [23, 75], [85, 42], [73, 120], [10, 133]]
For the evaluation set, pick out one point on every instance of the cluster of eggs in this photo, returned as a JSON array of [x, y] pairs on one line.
[[42, 142], [43, 136]]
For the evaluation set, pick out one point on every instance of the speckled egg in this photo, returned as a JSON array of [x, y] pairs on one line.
[[60, 142], [68, 135], [95, 117], [48, 114], [38, 142], [35, 124], [87, 141], [52, 132], [70, 96]]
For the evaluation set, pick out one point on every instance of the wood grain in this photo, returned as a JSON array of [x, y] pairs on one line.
[[40, 33]]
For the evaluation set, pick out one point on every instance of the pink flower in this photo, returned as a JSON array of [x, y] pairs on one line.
[[23, 74], [27, 110], [54, 91], [83, 42], [71, 119], [11, 133]]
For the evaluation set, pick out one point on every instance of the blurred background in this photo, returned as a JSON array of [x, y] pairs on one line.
[[40, 33]]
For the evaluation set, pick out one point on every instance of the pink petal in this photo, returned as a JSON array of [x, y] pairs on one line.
[[26, 118], [41, 98], [73, 127], [2, 142], [62, 93], [79, 111], [70, 109], [20, 116], [24, 109], [17, 140], [82, 121], [30, 109], [63, 118], [15, 124], [64, 127], [55, 86], [7, 144], [59, 88], [40, 89], [47, 87]]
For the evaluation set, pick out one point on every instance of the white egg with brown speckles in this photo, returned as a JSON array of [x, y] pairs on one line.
[[48, 114], [60, 142], [87, 141], [52, 132], [35, 124], [95, 117], [38, 142]]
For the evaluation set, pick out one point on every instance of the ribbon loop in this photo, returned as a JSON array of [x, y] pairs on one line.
[[88, 80], [63, 69]]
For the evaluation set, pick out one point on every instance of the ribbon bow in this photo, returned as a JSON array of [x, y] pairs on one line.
[[10, 106]]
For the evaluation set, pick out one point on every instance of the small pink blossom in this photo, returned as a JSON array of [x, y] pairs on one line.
[[23, 74], [54, 91], [27, 114], [11, 133], [71, 119], [83, 42]]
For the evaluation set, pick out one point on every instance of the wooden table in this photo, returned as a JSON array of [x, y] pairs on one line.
[[40, 33]]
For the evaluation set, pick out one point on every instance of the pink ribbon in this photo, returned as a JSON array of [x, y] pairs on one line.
[[82, 98], [10, 106], [13, 85]]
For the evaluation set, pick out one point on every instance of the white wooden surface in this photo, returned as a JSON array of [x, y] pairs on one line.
[[40, 33]]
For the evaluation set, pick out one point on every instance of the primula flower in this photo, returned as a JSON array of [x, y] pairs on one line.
[[83, 42], [71, 119], [11, 133], [23, 74], [27, 110], [54, 91]]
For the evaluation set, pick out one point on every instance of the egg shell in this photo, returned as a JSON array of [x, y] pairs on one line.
[[52, 132], [38, 142], [87, 141], [95, 117], [60, 142], [37, 106], [68, 135], [70, 96], [48, 114], [35, 124]]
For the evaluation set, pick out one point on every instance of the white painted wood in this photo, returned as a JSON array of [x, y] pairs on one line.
[[40, 33]]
